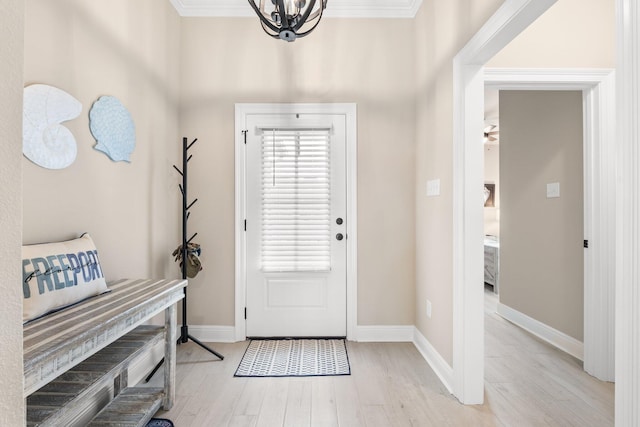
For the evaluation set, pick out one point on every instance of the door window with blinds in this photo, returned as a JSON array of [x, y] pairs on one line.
[[296, 200]]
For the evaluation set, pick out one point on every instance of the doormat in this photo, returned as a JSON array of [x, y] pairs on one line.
[[159, 422], [294, 358]]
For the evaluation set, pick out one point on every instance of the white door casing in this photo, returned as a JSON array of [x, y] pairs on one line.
[[468, 106], [627, 340], [296, 222], [598, 89], [349, 230]]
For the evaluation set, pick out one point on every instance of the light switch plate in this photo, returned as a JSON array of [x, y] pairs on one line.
[[553, 190], [433, 187]]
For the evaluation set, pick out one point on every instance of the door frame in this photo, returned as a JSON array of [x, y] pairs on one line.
[[503, 26], [349, 110], [598, 106]]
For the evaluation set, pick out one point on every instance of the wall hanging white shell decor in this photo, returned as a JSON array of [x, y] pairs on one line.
[[112, 127], [44, 140]]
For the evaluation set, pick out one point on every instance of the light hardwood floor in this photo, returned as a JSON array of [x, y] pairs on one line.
[[528, 383]]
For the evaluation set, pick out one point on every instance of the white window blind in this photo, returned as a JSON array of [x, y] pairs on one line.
[[296, 200]]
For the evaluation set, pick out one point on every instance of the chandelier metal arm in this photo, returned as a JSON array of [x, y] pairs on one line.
[[263, 20], [307, 12], [266, 30], [309, 30]]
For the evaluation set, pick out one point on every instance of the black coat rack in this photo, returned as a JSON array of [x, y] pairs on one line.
[[184, 330]]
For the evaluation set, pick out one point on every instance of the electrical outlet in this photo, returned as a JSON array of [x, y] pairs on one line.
[[429, 309]]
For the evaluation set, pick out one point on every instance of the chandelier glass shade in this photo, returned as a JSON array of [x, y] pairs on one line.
[[288, 19]]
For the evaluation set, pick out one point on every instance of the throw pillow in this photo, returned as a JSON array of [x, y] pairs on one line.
[[56, 275]]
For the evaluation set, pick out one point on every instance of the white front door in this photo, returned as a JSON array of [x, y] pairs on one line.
[[296, 225]]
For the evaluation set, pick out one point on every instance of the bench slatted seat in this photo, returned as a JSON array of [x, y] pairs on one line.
[[71, 353]]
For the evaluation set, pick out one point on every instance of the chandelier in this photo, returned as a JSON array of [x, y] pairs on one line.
[[288, 19]]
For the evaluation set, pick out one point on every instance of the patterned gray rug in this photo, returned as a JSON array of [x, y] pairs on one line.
[[160, 422], [294, 358]]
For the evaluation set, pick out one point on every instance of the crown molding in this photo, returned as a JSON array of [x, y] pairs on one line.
[[335, 8]]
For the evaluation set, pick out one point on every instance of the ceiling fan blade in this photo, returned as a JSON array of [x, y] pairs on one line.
[[491, 133]]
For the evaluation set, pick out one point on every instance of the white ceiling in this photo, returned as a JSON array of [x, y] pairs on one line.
[[335, 8]]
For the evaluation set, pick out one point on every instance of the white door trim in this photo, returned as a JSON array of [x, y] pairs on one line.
[[628, 211], [350, 112], [598, 87], [468, 122]]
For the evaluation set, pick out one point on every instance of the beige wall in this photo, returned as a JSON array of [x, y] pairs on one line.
[[572, 33], [442, 29], [128, 49], [541, 254], [369, 62], [11, 58]]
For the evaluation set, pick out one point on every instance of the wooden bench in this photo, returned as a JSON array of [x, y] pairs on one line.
[[82, 353]]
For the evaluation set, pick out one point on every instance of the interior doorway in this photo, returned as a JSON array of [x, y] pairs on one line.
[[598, 105], [468, 347]]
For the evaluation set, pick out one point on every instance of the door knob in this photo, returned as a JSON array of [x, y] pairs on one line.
[[339, 236], [339, 221]]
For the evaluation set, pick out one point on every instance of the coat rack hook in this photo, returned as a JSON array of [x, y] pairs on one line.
[[192, 142], [189, 158], [191, 238], [176, 168], [181, 189], [191, 204]]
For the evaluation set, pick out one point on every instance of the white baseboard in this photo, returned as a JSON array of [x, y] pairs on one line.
[[385, 333], [210, 333], [434, 359], [545, 332], [400, 333]]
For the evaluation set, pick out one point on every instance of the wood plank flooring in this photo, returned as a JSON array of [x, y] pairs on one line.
[[528, 383]]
